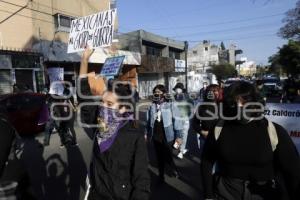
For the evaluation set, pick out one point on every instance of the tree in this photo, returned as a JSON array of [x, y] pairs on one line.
[[288, 58], [291, 29], [275, 67], [223, 71], [222, 46]]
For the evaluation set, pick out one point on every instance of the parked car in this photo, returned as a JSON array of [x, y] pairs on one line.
[[230, 81], [23, 110], [273, 86]]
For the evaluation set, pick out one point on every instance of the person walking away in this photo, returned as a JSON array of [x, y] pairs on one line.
[[203, 91], [261, 90], [206, 115], [250, 152], [119, 163], [185, 107], [164, 128], [290, 90], [51, 123], [68, 124]]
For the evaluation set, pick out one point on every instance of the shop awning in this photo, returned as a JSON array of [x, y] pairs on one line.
[[57, 52]]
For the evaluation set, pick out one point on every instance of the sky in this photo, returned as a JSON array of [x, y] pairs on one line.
[[250, 24]]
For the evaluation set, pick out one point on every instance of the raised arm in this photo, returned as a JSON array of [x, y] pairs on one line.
[[85, 60]]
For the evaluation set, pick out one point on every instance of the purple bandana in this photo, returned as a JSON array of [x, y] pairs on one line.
[[110, 121]]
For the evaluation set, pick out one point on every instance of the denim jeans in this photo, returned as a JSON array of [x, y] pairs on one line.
[[186, 128]]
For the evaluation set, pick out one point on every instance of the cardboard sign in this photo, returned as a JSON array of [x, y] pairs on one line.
[[95, 31], [112, 66], [288, 116], [56, 77]]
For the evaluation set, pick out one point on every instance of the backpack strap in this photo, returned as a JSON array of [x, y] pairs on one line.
[[218, 129], [272, 135], [271, 131]]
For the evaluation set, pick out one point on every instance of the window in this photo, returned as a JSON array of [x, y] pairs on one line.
[[174, 55], [153, 51], [206, 48], [63, 22], [25, 61], [195, 52]]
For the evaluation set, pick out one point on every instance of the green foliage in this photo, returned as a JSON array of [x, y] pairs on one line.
[[223, 71], [287, 58], [291, 29], [222, 46]]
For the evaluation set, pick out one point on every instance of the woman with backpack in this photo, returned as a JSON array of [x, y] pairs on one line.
[[250, 153]]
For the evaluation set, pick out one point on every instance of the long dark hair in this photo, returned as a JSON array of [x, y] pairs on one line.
[[240, 90], [209, 89], [122, 90], [161, 88]]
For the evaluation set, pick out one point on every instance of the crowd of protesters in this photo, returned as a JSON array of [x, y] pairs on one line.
[[243, 155]]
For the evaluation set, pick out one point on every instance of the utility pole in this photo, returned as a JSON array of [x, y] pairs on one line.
[[186, 46]]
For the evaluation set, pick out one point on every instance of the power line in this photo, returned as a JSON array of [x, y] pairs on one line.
[[28, 16], [219, 23], [45, 13], [240, 38], [63, 11], [224, 30], [14, 13]]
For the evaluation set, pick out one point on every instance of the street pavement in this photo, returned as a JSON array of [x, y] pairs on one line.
[[60, 173]]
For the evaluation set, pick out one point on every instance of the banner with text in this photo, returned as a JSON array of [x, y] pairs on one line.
[[288, 116], [95, 31], [56, 77]]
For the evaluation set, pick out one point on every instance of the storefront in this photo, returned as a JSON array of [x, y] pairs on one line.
[[22, 69], [55, 55]]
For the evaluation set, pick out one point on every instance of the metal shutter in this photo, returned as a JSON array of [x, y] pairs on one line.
[[5, 81]]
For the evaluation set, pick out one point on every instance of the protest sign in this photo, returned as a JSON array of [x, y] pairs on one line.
[[95, 31], [56, 77], [112, 66], [288, 116]]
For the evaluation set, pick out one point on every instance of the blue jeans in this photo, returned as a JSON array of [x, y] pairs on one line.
[[186, 128]]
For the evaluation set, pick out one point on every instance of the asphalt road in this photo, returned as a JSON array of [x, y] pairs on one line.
[[60, 173]]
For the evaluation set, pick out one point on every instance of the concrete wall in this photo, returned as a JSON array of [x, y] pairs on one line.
[[28, 27], [132, 41], [203, 54]]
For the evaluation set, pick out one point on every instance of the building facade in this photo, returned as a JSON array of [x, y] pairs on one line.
[[247, 68], [34, 37], [162, 59]]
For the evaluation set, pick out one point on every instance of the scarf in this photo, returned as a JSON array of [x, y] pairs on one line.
[[110, 121]]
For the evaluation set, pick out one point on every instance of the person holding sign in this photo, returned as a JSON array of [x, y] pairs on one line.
[[119, 164]]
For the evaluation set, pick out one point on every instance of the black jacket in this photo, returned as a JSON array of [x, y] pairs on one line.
[[13, 169], [121, 172]]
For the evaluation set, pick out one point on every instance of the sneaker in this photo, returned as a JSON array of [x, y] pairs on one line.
[[180, 155]]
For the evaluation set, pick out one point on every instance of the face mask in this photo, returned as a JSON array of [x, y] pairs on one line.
[[210, 95], [158, 98], [178, 91], [107, 116]]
